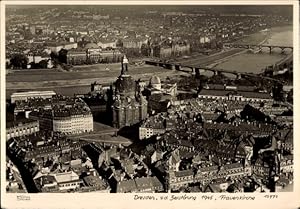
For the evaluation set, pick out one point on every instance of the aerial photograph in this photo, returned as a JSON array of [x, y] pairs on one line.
[[149, 98]]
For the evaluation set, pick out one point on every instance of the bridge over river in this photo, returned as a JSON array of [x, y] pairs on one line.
[[259, 47], [195, 69]]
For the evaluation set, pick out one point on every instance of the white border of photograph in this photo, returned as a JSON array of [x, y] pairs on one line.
[[123, 201]]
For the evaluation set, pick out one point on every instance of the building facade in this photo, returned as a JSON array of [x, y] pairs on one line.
[[75, 123], [76, 57], [93, 56], [246, 96], [22, 128], [74, 118]]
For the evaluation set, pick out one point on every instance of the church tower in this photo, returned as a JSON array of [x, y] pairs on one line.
[[129, 106]]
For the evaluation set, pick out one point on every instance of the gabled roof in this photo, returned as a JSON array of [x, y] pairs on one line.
[[184, 173], [126, 186], [233, 166], [143, 183], [209, 169], [289, 136]]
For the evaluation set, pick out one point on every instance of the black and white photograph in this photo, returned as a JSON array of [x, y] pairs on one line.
[[149, 99]]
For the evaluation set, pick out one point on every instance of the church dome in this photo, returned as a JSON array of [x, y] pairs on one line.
[[125, 84], [155, 82]]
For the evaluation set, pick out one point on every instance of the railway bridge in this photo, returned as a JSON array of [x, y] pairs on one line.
[[195, 69], [257, 46]]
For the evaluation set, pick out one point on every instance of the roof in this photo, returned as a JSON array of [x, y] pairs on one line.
[[184, 173], [32, 93], [175, 158], [287, 157], [215, 188], [66, 177], [143, 183], [210, 116], [91, 46], [104, 41], [247, 94], [260, 95], [45, 179], [185, 143], [283, 180], [216, 86], [105, 138], [186, 154], [289, 136], [76, 51], [213, 92], [126, 186], [233, 166], [239, 127], [128, 164], [94, 181], [209, 168], [156, 122], [160, 97], [156, 182], [19, 122], [55, 44]]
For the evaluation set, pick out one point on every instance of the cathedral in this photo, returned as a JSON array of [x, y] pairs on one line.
[[129, 106]]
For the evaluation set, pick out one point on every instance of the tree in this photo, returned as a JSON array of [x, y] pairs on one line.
[[33, 65], [145, 50], [119, 43], [43, 64], [62, 56], [19, 61], [53, 55]]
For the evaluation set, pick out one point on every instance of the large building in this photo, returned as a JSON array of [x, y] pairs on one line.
[[76, 57], [24, 96], [61, 181], [156, 87], [104, 43], [153, 125], [92, 54], [21, 128], [68, 119], [170, 50], [159, 95], [134, 43], [129, 105], [234, 94]]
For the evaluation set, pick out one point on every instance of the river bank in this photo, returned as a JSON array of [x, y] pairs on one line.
[[256, 62], [82, 76], [220, 57], [218, 62], [81, 86]]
